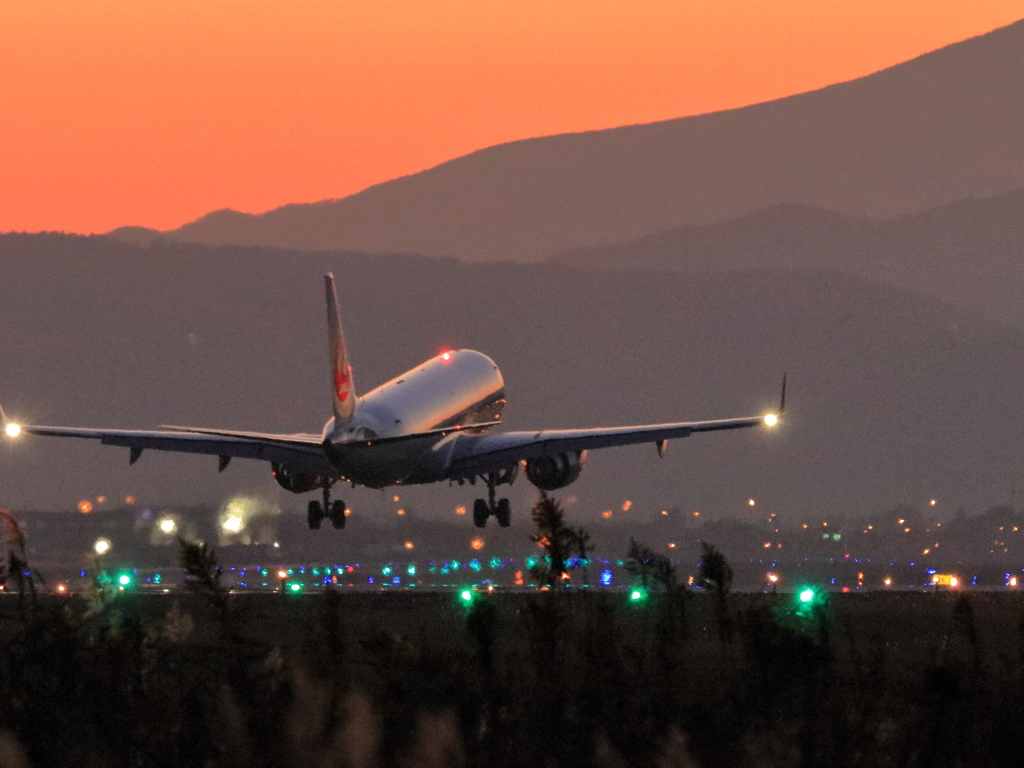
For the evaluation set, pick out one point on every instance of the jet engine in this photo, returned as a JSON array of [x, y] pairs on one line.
[[549, 473], [297, 482]]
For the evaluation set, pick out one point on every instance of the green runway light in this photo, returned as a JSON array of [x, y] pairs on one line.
[[124, 579], [295, 587], [466, 596], [810, 602], [636, 595]]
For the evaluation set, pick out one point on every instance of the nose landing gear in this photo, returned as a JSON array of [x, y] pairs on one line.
[[316, 512]]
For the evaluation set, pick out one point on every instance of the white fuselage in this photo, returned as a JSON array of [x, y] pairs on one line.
[[457, 388]]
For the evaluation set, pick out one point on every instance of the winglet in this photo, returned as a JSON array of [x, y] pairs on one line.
[[341, 371]]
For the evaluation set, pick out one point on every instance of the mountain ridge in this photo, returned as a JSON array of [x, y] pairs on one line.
[[931, 130]]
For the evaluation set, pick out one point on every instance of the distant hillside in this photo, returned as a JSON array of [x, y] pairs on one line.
[[969, 253], [944, 126], [893, 397], [138, 235]]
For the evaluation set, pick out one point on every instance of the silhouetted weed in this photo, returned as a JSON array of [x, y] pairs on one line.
[[555, 678]]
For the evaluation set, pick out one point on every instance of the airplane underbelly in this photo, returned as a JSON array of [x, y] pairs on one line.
[[379, 466]]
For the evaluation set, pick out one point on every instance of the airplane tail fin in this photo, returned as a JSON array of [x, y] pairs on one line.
[[344, 389]]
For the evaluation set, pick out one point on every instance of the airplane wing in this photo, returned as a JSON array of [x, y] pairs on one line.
[[478, 454], [475, 455], [302, 452]]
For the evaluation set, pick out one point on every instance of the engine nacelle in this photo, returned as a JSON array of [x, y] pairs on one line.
[[549, 473], [297, 482]]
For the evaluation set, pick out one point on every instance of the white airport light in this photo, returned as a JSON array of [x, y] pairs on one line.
[[12, 429], [771, 420], [233, 524], [168, 526], [102, 546]]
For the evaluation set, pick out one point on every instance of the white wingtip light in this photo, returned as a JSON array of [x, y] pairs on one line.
[[771, 420], [12, 429]]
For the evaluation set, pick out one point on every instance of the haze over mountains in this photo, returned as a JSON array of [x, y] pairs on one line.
[[942, 127], [893, 397], [969, 253]]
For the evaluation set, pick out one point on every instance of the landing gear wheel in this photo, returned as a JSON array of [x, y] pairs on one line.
[[314, 514], [504, 513], [480, 513], [338, 514]]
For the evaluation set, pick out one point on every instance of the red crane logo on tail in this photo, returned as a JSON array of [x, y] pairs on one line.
[[342, 381]]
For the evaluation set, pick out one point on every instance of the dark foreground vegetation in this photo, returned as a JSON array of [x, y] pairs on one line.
[[555, 678]]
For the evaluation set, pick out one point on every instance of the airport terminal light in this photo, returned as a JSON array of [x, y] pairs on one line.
[[168, 526], [102, 546]]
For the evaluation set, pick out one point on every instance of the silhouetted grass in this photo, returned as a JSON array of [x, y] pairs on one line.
[[542, 679], [554, 678]]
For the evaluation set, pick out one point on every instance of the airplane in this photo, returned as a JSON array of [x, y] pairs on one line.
[[430, 424]]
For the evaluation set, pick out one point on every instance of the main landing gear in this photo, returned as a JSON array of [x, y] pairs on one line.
[[501, 510], [334, 511]]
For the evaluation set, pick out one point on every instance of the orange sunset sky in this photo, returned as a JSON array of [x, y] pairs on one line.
[[154, 112]]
